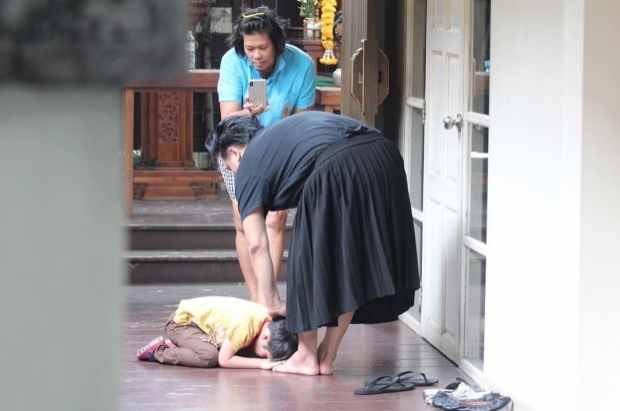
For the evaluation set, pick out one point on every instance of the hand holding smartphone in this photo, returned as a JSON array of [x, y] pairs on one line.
[[258, 92]]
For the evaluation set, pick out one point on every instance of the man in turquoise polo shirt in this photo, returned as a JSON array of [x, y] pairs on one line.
[[259, 51]]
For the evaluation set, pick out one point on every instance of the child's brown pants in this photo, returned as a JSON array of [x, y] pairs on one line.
[[193, 349]]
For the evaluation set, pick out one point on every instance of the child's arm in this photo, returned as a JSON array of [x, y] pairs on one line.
[[228, 358]]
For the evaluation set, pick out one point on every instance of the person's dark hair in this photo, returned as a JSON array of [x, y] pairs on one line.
[[232, 131], [283, 344], [253, 21]]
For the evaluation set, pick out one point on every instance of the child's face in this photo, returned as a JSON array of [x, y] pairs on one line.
[[260, 348]]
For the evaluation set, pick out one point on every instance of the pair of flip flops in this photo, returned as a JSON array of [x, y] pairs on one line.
[[404, 381]]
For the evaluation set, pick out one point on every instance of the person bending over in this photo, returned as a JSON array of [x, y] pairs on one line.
[[352, 255], [209, 331], [259, 51]]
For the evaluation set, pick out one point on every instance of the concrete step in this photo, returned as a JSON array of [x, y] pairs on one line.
[[185, 237], [182, 237], [187, 266], [185, 242]]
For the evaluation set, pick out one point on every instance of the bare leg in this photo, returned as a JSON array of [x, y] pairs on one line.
[[243, 254], [329, 346], [305, 360], [276, 224]]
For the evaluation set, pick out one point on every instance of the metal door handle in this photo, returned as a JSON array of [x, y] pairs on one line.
[[450, 122]]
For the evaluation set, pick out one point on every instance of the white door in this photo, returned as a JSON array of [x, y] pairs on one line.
[[443, 160]]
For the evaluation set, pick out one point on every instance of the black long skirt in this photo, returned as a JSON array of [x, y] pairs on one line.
[[352, 246]]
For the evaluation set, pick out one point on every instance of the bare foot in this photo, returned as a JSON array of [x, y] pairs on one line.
[[326, 365], [298, 365], [326, 369]]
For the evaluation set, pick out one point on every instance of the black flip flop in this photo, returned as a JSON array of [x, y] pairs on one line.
[[384, 384], [416, 378]]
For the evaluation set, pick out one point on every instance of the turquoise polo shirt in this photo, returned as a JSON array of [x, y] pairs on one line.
[[290, 86]]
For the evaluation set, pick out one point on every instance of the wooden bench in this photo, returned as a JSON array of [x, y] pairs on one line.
[[327, 99]]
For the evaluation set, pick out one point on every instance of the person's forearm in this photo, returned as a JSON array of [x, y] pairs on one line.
[[242, 112], [263, 268], [258, 247], [244, 362]]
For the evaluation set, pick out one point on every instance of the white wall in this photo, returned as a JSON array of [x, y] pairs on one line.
[[61, 236], [554, 197], [532, 277], [599, 315]]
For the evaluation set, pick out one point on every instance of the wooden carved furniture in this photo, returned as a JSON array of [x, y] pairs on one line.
[[327, 99], [167, 169], [170, 169]]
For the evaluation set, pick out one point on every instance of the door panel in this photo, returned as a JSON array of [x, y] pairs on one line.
[[434, 267], [443, 174], [455, 105], [435, 73], [362, 21]]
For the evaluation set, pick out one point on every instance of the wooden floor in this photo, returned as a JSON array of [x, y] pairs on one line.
[[366, 351]]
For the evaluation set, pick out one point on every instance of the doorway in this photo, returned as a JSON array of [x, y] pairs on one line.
[[447, 154]]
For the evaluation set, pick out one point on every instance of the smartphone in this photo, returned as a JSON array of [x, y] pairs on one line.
[[258, 92]]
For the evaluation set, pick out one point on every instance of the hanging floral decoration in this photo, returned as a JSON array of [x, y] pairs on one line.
[[328, 11]]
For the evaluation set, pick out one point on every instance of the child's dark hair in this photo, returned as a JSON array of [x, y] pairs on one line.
[[283, 344], [252, 21]]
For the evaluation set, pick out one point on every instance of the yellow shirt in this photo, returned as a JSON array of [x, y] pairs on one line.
[[240, 320]]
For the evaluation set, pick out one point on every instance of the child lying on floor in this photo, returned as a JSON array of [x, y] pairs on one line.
[[210, 331]]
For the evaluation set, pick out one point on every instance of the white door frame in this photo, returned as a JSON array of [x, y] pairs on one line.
[[413, 112]]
